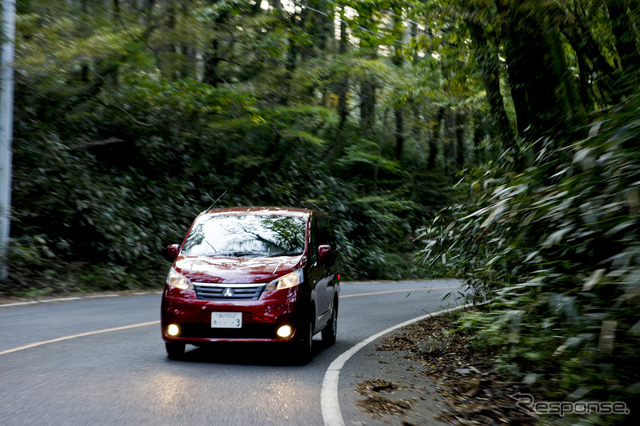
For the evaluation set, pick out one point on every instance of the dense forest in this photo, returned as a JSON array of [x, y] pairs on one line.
[[491, 140], [132, 117]]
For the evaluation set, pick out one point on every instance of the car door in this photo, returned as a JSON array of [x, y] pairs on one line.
[[325, 290], [330, 266], [317, 277]]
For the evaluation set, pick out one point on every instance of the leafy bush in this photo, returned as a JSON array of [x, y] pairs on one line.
[[556, 248]]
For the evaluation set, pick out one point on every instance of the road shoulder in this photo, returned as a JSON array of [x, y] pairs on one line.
[[427, 373], [387, 388]]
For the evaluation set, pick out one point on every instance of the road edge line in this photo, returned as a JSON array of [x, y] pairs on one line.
[[75, 336], [329, 403], [74, 298]]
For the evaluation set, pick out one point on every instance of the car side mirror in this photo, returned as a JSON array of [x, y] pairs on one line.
[[172, 252], [323, 253]]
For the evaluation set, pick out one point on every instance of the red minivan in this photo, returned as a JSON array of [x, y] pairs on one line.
[[253, 274]]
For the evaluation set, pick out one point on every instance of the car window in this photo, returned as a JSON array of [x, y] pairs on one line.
[[245, 235], [325, 232], [313, 239]]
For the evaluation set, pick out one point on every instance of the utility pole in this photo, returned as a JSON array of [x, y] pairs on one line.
[[6, 129]]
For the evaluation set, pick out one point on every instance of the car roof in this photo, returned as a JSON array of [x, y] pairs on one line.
[[270, 210]]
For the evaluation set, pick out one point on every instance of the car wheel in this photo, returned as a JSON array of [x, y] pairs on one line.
[[304, 349], [331, 330], [175, 350]]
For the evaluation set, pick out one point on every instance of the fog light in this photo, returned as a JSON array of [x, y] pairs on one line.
[[284, 331], [173, 330]]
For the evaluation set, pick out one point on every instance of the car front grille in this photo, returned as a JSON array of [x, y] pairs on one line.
[[248, 331], [208, 291]]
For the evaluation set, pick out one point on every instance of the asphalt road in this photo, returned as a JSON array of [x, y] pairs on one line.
[[102, 361]]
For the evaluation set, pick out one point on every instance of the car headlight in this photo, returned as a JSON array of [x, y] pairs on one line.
[[286, 281], [177, 280]]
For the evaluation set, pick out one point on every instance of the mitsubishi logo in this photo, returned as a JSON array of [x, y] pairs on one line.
[[228, 292]]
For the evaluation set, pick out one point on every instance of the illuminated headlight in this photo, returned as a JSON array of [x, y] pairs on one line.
[[173, 330], [286, 281], [284, 331], [177, 280]]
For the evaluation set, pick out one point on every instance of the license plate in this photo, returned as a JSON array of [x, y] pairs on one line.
[[226, 319]]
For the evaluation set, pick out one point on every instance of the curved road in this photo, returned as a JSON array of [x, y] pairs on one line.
[[102, 361]]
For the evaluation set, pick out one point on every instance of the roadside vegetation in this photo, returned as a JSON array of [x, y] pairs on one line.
[[548, 229], [493, 141]]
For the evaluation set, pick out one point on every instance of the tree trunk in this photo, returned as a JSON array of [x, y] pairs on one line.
[[367, 107], [449, 140], [399, 132], [543, 89], [398, 61], [460, 120], [212, 59], [188, 68], [583, 76], [625, 34], [479, 133], [435, 138], [369, 44], [148, 12], [600, 72], [490, 72], [343, 88], [117, 12]]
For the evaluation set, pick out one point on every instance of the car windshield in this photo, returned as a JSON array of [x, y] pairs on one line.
[[246, 235]]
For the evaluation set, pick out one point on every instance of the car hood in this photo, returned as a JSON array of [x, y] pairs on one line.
[[236, 270]]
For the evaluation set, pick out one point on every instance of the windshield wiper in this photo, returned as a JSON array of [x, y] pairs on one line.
[[240, 254], [285, 253]]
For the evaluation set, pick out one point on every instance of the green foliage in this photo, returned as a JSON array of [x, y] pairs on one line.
[[118, 145], [555, 247]]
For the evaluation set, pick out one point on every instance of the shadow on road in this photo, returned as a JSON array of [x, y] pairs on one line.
[[246, 354]]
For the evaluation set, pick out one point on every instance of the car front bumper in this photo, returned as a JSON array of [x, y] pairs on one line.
[[260, 319]]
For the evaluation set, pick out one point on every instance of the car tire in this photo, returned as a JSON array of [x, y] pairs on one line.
[[331, 330], [175, 350], [304, 349]]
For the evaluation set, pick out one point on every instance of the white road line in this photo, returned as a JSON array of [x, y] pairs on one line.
[[329, 401], [409, 290], [60, 299], [100, 296], [69, 299], [88, 333], [6, 305]]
